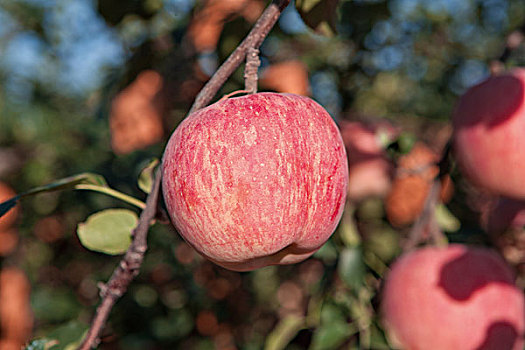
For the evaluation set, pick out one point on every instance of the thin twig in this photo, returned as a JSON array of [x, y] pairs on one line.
[[127, 269], [254, 39], [250, 70]]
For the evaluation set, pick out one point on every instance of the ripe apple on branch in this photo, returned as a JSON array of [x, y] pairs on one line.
[[262, 180], [256, 180]]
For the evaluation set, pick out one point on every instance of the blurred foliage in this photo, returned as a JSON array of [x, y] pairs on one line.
[[64, 63]]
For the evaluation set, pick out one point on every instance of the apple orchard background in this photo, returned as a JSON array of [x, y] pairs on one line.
[[89, 86]]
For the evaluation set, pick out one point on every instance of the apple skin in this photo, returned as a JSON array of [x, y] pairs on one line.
[[454, 297], [504, 214], [489, 146], [504, 220], [256, 180]]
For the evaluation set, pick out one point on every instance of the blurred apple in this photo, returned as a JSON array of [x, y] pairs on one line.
[[289, 76], [206, 26], [256, 180], [16, 318], [9, 218], [454, 297], [504, 220], [505, 214], [136, 114], [414, 176], [488, 134], [8, 241], [370, 170]]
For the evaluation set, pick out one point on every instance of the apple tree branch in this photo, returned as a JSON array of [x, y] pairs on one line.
[[127, 269], [130, 264]]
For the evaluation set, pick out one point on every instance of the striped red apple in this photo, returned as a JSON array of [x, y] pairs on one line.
[[256, 180]]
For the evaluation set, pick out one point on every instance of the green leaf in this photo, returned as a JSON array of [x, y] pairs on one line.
[[327, 252], [108, 231], [334, 329], [347, 227], [306, 5], [147, 176], [54, 305], [446, 220], [331, 313], [69, 336], [331, 337], [378, 340], [351, 267], [320, 15], [406, 141], [41, 344], [175, 325], [65, 337], [383, 242], [284, 332]]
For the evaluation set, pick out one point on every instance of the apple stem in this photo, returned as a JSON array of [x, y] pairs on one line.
[[254, 39], [250, 70]]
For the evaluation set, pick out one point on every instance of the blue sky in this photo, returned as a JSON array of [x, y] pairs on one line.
[[78, 48]]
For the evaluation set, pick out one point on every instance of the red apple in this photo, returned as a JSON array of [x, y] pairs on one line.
[[504, 220], [489, 142], [16, 316], [454, 297], [370, 172], [288, 76], [256, 180], [504, 214], [8, 220]]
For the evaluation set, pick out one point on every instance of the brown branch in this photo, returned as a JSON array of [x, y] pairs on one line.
[[250, 71], [130, 264], [254, 39], [127, 269]]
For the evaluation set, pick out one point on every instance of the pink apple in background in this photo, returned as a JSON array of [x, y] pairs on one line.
[[504, 220], [454, 297], [489, 134], [504, 214], [370, 171], [256, 180]]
